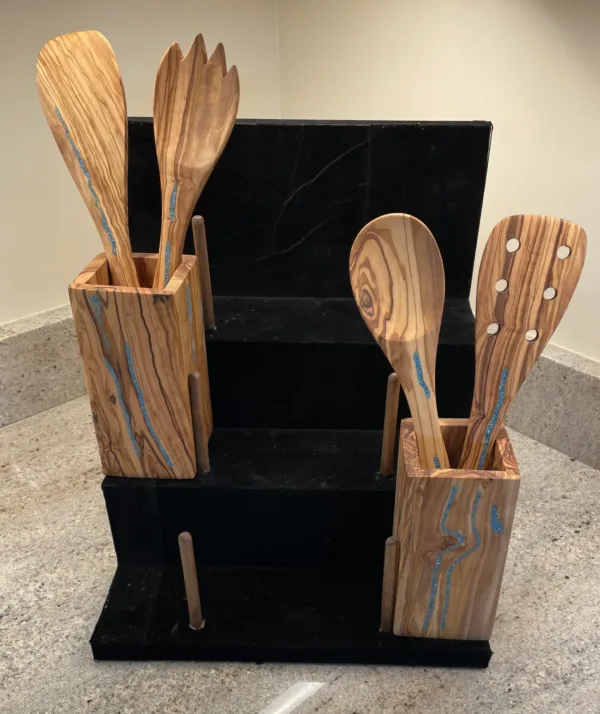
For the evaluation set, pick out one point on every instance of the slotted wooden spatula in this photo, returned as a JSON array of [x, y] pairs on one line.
[[82, 97], [195, 106], [397, 277], [529, 270]]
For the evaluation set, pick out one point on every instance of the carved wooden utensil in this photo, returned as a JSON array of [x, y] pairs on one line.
[[195, 106], [82, 97], [529, 270], [398, 282]]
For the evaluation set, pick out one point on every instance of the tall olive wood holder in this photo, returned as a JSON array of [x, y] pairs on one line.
[[138, 348], [289, 524]]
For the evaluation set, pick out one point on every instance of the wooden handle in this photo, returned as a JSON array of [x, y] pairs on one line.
[[201, 250], [190, 577]]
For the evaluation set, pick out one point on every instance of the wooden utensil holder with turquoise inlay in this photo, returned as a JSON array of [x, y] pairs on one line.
[[138, 346], [453, 528]]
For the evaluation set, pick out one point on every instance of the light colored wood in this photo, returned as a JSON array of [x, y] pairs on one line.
[[454, 534], [388, 590], [201, 250], [190, 578], [82, 96], [390, 421], [195, 106], [137, 351], [397, 277], [200, 438], [503, 360]]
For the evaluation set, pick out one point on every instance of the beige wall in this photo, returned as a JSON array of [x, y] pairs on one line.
[[532, 68], [47, 236]]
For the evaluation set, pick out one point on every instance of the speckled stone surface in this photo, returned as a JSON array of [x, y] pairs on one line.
[[56, 564], [40, 364], [559, 405]]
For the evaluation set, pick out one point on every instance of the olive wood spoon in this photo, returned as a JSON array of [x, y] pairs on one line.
[[398, 281]]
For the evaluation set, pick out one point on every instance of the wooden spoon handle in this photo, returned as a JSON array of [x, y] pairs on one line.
[[420, 395]]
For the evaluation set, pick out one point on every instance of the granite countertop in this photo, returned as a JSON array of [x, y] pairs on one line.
[[57, 562]]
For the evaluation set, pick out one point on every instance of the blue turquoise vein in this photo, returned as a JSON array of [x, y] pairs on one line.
[[420, 379], [167, 262], [460, 540], [497, 526], [423, 385], [97, 310], [142, 401], [493, 420], [459, 543], [191, 320], [469, 552], [113, 374], [86, 173], [173, 201]]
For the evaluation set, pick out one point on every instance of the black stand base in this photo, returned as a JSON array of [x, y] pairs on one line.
[[258, 615]]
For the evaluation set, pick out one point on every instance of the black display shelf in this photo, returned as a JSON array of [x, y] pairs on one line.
[[289, 525]]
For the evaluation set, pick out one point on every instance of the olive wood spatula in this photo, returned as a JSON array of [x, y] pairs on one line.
[[82, 96], [529, 270]]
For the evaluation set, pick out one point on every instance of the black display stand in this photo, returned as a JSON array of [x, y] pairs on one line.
[[289, 526]]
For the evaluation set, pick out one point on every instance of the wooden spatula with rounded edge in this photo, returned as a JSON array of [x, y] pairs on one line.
[[82, 97], [398, 282], [529, 270], [195, 106]]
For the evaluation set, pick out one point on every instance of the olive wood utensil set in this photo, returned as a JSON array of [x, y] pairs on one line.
[[195, 106], [528, 273]]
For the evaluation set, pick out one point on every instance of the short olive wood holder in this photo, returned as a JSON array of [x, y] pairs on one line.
[[139, 347], [452, 529]]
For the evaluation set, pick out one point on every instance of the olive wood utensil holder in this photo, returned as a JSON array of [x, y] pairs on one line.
[[453, 533], [138, 347]]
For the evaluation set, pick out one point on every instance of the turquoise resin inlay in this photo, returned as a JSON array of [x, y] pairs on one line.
[[460, 540], [497, 526], [493, 420], [172, 202], [113, 374], [142, 401], [167, 263], [86, 173], [98, 312], [469, 552], [420, 380]]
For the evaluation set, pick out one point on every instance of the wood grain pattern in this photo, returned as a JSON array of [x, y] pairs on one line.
[[190, 579], [453, 538], [137, 351], [515, 306], [388, 589], [201, 250], [390, 421], [82, 96], [397, 277], [195, 106]]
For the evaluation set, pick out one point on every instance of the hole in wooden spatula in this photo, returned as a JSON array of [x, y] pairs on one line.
[[501, 285], [549, 293], [563, 252], [531, 335], [493, 328], [513, 245]]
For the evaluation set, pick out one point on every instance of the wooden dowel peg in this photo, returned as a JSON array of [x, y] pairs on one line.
[[190, 578], [390, 421], [201, 249], [388, 590], [200, 432]]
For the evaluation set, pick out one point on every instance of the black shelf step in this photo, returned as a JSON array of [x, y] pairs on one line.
[[307, 320], [260, 615]]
